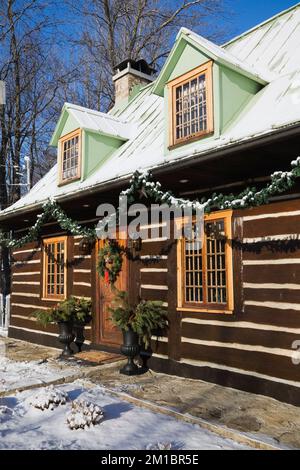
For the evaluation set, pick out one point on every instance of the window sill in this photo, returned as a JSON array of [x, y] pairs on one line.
[[46, 299], [194, 138], [71, 180], [204, 310]]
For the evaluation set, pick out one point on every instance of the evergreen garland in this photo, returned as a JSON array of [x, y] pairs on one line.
[[50, 210], [141, 185]]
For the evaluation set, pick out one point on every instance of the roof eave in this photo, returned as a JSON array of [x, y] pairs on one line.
[[165, 166]]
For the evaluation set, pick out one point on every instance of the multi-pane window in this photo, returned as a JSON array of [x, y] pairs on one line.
[[191, 105], [70, 157], [206, 267], [55, 268], [191, 108]]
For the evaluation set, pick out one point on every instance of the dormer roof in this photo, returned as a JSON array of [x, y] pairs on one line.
[[95, 121], [213, 52]]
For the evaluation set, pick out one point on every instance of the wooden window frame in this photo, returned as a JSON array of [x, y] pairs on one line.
[[205, 69], [208, 307], [48, 241], [61, 142]]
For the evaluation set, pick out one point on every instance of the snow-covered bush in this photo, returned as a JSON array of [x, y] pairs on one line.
[[84, 414], [48, 398]]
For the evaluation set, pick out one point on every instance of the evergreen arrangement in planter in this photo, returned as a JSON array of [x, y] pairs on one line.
[[71, 315], [138, 323]]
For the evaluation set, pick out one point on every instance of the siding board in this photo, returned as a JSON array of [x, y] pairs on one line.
[[240, 335], [263, 363]]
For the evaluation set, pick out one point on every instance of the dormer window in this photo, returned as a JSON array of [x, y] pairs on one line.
[[70, 157], [191, 105]]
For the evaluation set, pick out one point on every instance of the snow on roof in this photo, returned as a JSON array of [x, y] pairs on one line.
[[96, 121], [226, 57], [274, 44]]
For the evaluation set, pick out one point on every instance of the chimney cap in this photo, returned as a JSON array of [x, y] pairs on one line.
[[140, 65]]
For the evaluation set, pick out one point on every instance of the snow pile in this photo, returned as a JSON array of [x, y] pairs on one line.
[[84, 414], [48, 398], [5, 413], [160, 446], [20, 374]]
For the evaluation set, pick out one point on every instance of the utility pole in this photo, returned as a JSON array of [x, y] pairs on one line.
[[28, 180], [4, 251]]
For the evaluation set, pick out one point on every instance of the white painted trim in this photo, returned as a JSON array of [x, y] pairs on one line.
[[82, 297], [240, 324], [87, 284], [150, 226], [26, 294], [160, 339], [252, 285], [40, 332], [154, 257], [158, 239], [164, 304], [213, 365], [36, 307], [271, 262], [32, 261], [83, 256], [26, 274], [24, 317], [81, 270], [271, 216], [77, 237], [154, 270], [240, 347], [153, 287], [32, 283], [160, 356], [33, 250], [275, 305], [267, 238]]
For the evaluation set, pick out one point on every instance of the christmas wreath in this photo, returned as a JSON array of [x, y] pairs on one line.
[[110, 261]]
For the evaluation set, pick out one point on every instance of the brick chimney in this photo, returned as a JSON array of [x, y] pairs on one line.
[[128, 74]]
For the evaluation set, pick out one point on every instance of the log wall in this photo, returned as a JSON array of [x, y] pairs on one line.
[[26, 291], [253, 348]]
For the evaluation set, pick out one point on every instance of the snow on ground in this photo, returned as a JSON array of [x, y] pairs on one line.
[[125, 426], [20, 374]]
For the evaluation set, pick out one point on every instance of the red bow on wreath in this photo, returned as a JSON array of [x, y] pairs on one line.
[[106, 277]]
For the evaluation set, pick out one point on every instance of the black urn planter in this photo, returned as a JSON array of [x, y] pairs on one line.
[[145, 355], [78, 330], [130, 348], [66, 337]]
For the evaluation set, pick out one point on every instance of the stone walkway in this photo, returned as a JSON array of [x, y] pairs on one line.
[[260, 416], [263, 418]]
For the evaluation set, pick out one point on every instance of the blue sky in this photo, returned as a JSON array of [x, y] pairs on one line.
[[248, 13]]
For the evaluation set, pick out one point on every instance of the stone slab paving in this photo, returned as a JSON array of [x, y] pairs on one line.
[[261, 417]]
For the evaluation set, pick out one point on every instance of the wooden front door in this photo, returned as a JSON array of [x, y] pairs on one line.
[[108, 333]]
